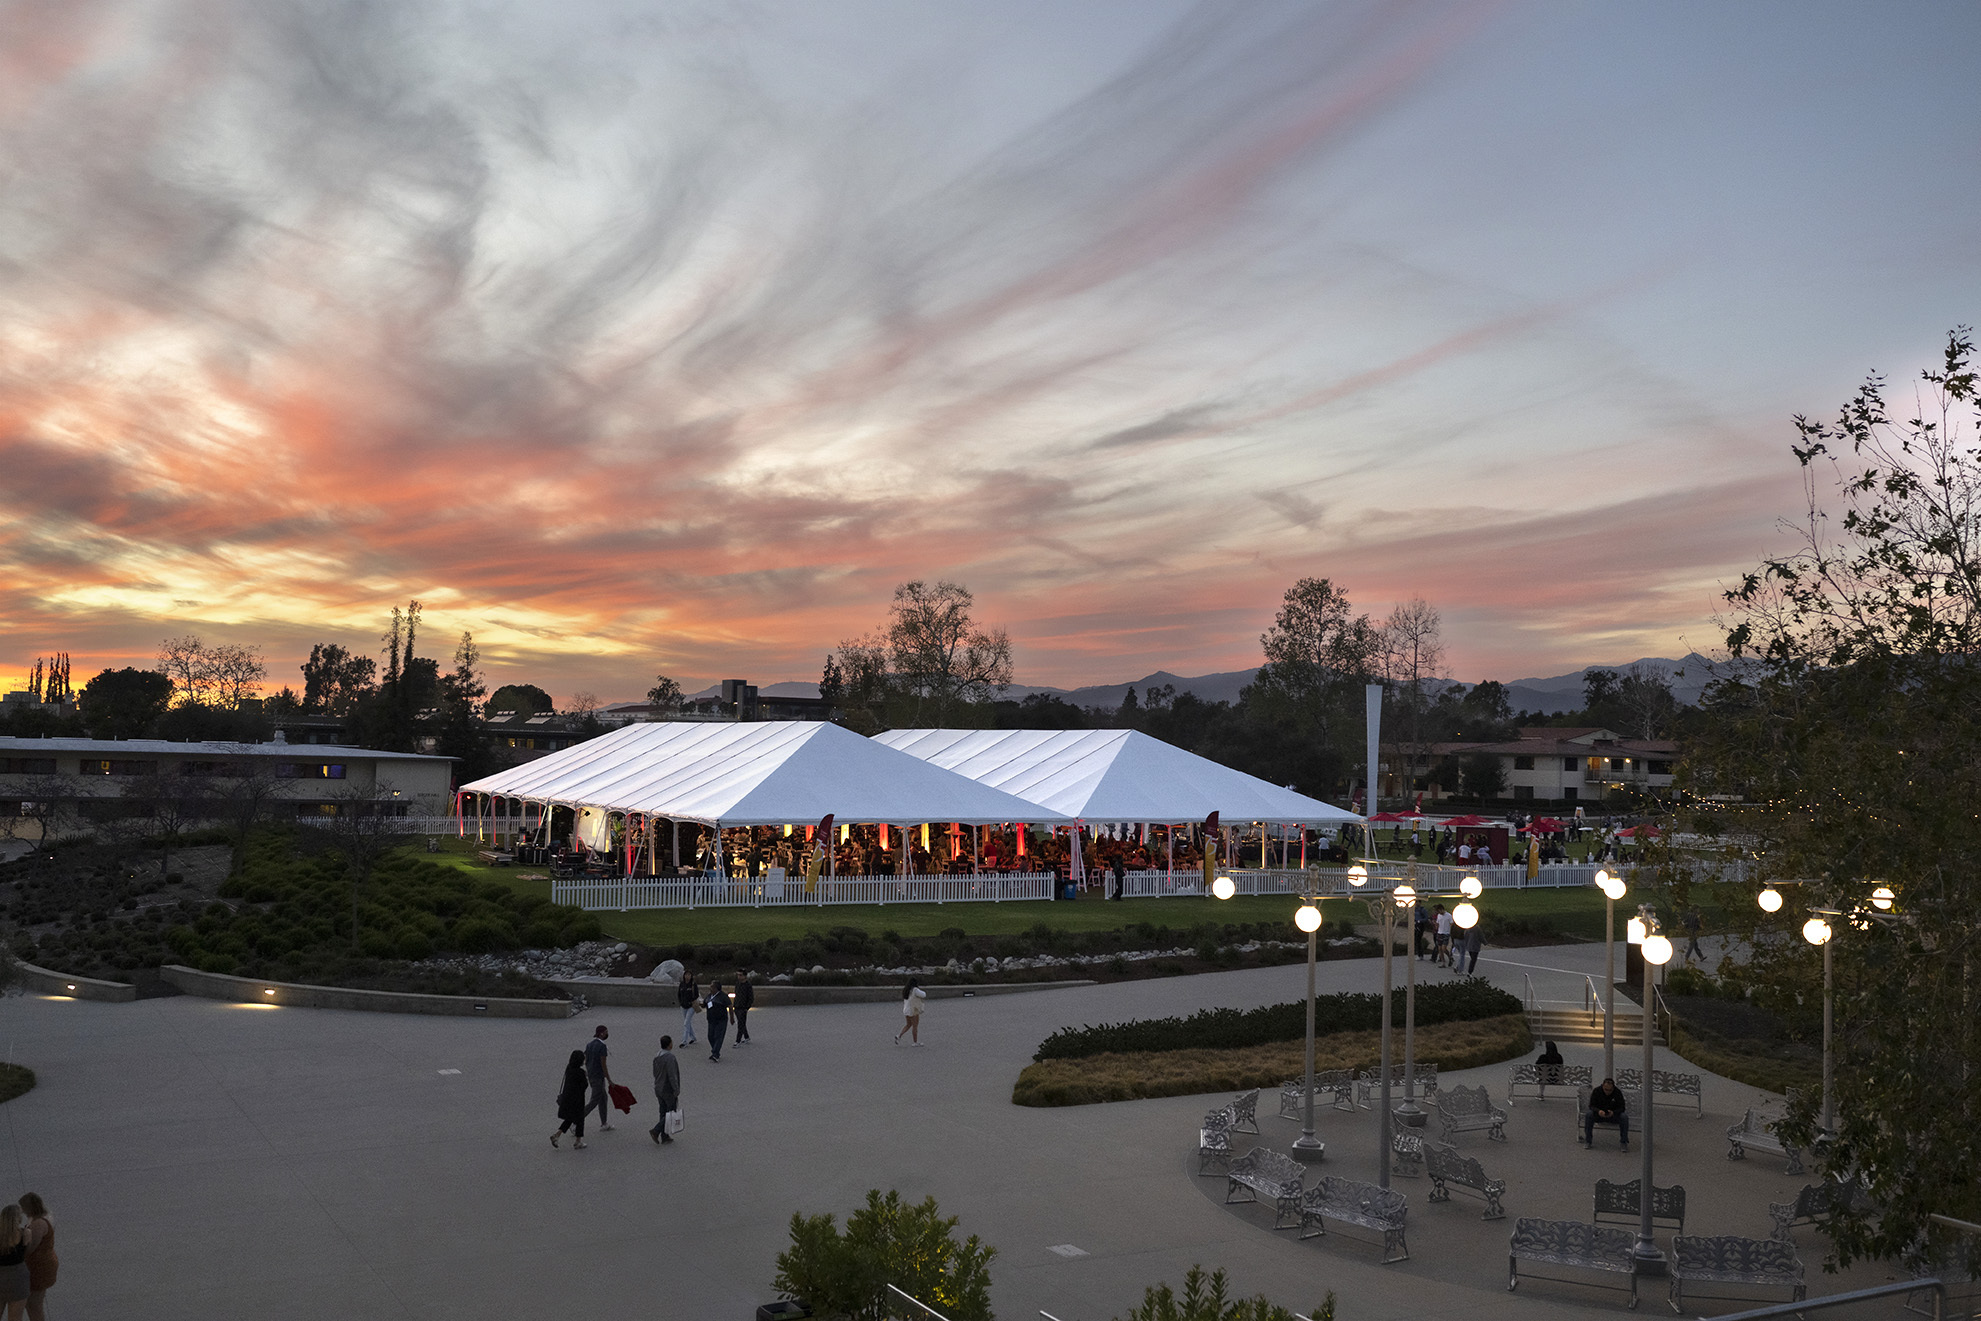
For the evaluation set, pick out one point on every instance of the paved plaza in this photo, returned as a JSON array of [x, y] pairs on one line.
[[219, 1161]]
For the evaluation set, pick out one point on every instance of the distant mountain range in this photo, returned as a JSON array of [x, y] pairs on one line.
[[1547, 696]]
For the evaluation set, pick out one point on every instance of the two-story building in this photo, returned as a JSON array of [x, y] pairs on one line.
[[1567, 765], [86, 777]]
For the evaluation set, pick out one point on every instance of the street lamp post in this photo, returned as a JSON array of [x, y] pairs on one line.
[[1612, 888], [1408, 1114], [1307, 1146], [1358, 876], [1817, 931], [1647, 1257]]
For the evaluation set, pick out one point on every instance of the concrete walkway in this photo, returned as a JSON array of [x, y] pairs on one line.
[[209, 1160]]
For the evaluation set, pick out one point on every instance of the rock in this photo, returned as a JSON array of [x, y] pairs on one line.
[[782, 977], [667, 972], [820, 967]]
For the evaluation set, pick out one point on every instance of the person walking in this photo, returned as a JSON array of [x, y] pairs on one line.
[[41, 1255], [718, 1020], [1441, 952], [1475, 940], [14, 1288], [600, 1076], [666, 1089], [690, 997], [746, 995], [571, 1107], [1695, 927], [913, 997]]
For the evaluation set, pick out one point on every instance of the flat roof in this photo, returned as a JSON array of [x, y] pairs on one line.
[[214, 748]]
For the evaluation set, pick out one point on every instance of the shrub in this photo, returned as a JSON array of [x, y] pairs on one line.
[[412, 943], [912, 1247], [1198, 1303], [1444, 1002]]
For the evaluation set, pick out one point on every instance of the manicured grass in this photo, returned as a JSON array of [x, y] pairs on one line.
[[1134, 1074], [1573, 912], [15, 1081]]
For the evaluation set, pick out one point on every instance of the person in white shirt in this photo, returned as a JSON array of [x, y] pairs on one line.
[[1442, 952]]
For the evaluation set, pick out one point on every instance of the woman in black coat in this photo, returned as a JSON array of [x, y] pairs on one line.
[[571, 1100]]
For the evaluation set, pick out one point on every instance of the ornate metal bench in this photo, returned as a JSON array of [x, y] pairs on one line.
[[1630, 1108], [1356, 1203], [1407, 1154], [1450, 1170], [1469, 1109], [1293, 1092], [1665, 1083], [1758, 1132], [1245, 1113], [1369, 1084], [1263, 1172], [1810, 1205], [1571, 1244], [1214, 1143], [1529, 1075], [1621, 1201], [1729, 1259]]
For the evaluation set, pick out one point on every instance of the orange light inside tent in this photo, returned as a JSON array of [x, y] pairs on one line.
[[883, 836]]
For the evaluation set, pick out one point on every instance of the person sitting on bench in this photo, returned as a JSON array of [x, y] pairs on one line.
[[1547, 1069], [1606, 1106]]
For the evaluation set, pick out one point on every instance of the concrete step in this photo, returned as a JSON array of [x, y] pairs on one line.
[[1575, 1025]]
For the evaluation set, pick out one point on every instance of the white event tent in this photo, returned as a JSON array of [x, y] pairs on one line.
[[1111, 775], [756, 774]]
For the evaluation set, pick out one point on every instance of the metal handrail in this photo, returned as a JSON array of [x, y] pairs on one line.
[[910, 1298], [1529, 979], [1938, 1288], [1592, 999]]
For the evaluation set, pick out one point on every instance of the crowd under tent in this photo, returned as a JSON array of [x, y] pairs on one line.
[[722, 775], [1119, 776]]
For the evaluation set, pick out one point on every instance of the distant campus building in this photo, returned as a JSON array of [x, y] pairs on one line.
[[87, 778], [1553, 765]]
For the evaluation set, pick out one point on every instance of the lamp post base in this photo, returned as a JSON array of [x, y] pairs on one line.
[[1411, 1117], [1309, 1151], [1651, 1265]]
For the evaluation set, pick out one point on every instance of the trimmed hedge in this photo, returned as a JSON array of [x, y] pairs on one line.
[[1222, 1029]]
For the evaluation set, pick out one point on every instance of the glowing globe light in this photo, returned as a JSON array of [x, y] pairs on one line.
[[1406, 895], [1771, 900], [1611, 886], [1881, 898], [1224, 887], [1816, 931], [1635, 931], [1471, 887], [1657, 950], [1465, 915], [1308, 918], [1358, 875]]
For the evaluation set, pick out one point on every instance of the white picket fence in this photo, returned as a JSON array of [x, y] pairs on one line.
[[776, 890], [398, 825], [1334, 880]]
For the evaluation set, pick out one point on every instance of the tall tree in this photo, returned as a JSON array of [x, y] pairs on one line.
[[1644, 696], [1843, 738], [524, 697], [169, 805], [461, 734], [124, 703], [665, 694], [939, 654], [1318, 655], [220, 676], [1413, 659], [335, 681], [832, 681]]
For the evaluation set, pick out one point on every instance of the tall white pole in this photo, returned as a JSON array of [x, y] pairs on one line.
[[1609, 988], [1829, 1008]]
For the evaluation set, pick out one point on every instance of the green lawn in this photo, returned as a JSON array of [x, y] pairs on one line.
[[1577, 912]]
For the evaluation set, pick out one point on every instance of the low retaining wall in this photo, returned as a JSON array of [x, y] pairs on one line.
[[50, 982], [246, 990], [660, 995]]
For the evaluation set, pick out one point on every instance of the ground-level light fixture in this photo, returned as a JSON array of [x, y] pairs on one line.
[[1770, 900], [1611, 886], [268, 990], [1307, 918], [1466, 916], [1224, 887], [1471, 887], [1816, 931]]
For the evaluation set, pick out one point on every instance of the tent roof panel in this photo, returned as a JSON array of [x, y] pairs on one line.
[[1109, 775], [758, 773]]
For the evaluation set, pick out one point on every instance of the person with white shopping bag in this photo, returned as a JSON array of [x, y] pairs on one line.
[[667, 1092]]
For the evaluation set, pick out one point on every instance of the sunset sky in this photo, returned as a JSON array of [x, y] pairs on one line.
[[668, 337]]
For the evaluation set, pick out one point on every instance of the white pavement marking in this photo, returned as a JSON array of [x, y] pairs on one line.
[[445, 1072], [1067, 1250]]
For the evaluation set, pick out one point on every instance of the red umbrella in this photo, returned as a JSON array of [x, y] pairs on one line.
[[1544, 826], [1397, 816], [1466, 821], [1633, 832]]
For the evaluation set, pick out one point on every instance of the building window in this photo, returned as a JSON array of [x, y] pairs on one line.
[[1523, 764], [1568, 763], [27, 765], [1661, 768], [308, 770], [1619, 763], [1568, 792], [95, 767], [1521, 791]]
